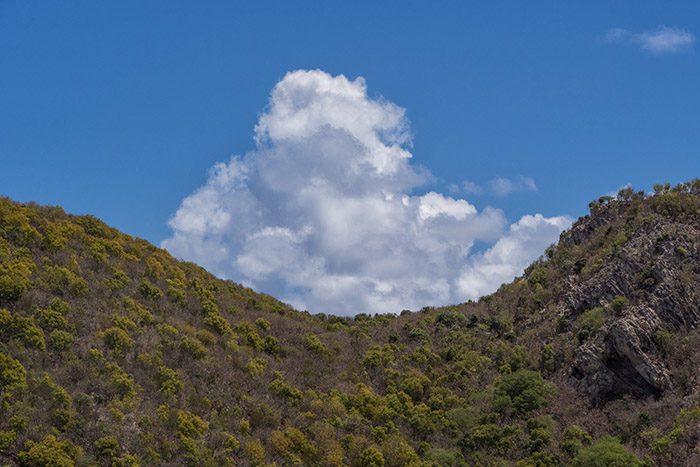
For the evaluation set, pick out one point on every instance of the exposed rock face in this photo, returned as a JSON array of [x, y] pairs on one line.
[[655, 271]]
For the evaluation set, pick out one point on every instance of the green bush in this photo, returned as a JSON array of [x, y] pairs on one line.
[[149, 290], [7, 439], [547, 358], [137, 312], [205, 337], [263, 324], [606, 452], [314, 344], [285, 389], [63, 281], [154, 269], [271, 345], [190, 425], [218, 323], [122, 322], [371, 457], [618, 304], [117, 281], [589, 322], [418, 333], [48, 453], [27, 331], [170, 382], [60, 306], [14, 281], [107, 446], [443, 457], [12, 373], [254, 341], [117, 340], [193, 347], [176, 294], [60, 340], [523, 391], [255, 367], [254, 451], [122, 382], [62, 419]]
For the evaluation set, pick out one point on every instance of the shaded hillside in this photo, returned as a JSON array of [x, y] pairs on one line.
[[114, 353]]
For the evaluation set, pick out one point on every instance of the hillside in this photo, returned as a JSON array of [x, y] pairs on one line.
[[114, 353]]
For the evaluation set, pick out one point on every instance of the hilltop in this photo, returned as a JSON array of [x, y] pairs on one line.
[[112, 352]]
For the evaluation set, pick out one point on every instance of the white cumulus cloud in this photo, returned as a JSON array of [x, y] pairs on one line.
[[321, 214], [512, 253], [661, 40]]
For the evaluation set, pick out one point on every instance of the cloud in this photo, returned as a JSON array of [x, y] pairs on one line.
[[504, 186], [321, 214], [471, 188], [659, 41], [524, 241]]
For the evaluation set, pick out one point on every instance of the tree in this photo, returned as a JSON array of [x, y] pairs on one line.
[[606, 452]]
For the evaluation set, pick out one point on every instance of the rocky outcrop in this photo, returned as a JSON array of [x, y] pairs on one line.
[[656, 269]]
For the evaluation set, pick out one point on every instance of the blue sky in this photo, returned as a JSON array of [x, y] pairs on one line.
[[121, 110]]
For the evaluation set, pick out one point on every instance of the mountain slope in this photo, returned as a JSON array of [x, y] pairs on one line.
[[114, 353]]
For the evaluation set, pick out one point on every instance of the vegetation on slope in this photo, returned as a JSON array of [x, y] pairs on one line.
[[114, 353]]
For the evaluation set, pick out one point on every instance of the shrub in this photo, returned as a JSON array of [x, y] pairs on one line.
[[244, 427], [122, 322], [26, 330], [442, 457], [523, 391], [285, 389], [170, 382], [126, 461], [118, 280], [167, 330], [294, 445], [48, 452], [271, 345], [418, 333], [137, 311], [149, 290], [414, 384], [5, 319], [263, 324], [154, 269], [618, 304], [218, 323], [63, 281], [94, 226], [60, 340], [117, 340], [122, 382], [62, 419], [14, 281], [176, 294], [205, 337], [371, 457], [60, 306], [190, 425], [193, 347], [607, 451], [255, 367], [314, 344], [547, 358], [12, 373], [7, 439], [230, 442], [254, 451], [590, 321]]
